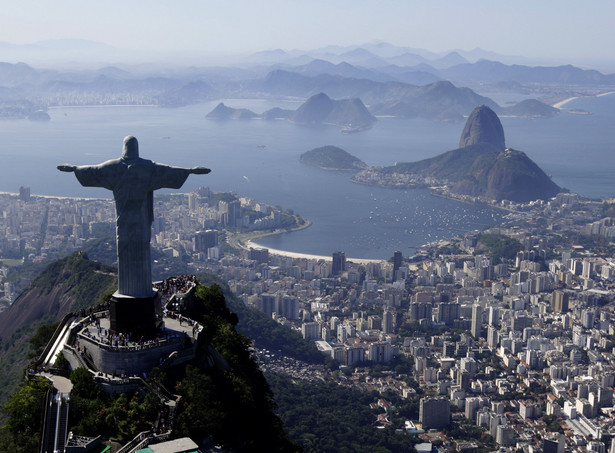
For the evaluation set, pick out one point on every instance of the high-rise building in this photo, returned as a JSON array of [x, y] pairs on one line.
[[193, 201], [448, 349], [505, 435], [494, 316], [374, 322], [472, 406], [463, 380], [342, 333], [448, 312], [24, 193], [496, 420], [587, 318], [260, 255], [267, 303], [434, 412], [287, 306], [230, 212], [397, 261], [554, 443], [310, 330], [477, 320], [420, 310], [354, 355], [339, 263], [387, 321], [380, 352], [492, 337], [559, 301], [204, 240], [234, 213]]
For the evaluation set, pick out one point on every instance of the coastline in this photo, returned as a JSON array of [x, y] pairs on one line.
[[560, 104], [309, 256], [247, 243], [96, 106]]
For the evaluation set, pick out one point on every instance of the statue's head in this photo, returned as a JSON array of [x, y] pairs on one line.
[[131, 148]]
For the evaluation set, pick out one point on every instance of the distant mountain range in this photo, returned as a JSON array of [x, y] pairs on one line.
[[351, 114], [389, 80], [482, 166], [494, 71], [441, 101]]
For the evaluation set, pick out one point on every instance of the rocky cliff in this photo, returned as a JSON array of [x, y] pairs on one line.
[[482, 166], [69, 284], [483, 126]]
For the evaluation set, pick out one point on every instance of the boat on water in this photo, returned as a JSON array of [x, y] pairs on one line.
[[350, 129]]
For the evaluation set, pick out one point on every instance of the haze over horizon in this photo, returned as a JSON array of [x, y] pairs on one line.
[[570, 33]]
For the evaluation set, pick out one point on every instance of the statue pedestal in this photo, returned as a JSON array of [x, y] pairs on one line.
[[136, 315]]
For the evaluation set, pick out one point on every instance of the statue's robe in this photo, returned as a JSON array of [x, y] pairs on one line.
[[133, 182]]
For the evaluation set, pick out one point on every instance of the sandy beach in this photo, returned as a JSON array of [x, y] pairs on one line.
[[308, 256], [560, 104]]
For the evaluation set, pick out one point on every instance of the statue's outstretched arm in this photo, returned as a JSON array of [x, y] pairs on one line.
[[199, 170], [67, 167]]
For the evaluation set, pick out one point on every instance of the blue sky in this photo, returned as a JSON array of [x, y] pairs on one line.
[[566, 29]]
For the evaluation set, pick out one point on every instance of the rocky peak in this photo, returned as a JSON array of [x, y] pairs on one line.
[[483, 126]]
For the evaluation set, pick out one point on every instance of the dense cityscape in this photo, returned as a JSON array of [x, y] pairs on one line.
[[506, 334]]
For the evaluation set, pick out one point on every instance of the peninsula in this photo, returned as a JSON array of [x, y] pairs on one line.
[[482, 166]]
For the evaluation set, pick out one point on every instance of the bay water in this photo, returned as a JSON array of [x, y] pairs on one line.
[[260, 159]]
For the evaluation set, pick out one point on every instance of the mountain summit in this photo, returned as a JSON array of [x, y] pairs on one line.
[[483, 126], [482, 166], [321, 109]]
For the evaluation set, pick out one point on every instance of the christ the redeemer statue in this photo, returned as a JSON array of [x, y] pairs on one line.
[[133, 181]]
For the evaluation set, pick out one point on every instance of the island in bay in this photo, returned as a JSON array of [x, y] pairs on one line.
[[332, 158], [350, 114]]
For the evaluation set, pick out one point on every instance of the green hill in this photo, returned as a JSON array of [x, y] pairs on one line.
[[74, 283], [332, 158], [66, 285]]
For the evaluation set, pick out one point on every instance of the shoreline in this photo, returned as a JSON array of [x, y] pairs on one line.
[[560, 104], [309, 256], [59, 197], [97, 106], [248, 243]]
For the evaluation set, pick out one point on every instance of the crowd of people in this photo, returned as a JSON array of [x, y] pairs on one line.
[[172, 286], [124, 340]]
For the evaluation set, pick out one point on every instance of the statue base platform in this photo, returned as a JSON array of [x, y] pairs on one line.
[[135, 315]]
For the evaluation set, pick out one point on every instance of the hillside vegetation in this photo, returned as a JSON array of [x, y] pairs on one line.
[[66, 285], [332, 158]]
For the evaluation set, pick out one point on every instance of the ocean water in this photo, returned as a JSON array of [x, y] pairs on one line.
[[260, 159]]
